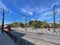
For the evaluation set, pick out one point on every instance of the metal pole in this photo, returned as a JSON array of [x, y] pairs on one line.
[[54, 14], [54, 22], [24, 22], [2, 22]]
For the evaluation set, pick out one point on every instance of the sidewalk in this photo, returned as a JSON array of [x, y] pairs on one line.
[[5, 40]]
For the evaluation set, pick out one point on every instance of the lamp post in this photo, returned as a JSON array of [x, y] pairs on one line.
[[3, 11], [24, 22], [2, 21], [54, 14]]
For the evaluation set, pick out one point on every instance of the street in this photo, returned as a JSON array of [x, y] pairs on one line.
[[51, 38]]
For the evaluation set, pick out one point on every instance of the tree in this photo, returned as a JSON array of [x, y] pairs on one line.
[[14, 24], [58, 24], [52, 24], [27, 25], [30, 22], [35, 24], [20, 24], [44, 24]]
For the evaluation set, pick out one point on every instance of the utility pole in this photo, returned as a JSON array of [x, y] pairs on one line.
[[54, 14], [2, 21]]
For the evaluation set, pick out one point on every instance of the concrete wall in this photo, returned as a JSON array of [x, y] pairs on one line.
[[18, 40]]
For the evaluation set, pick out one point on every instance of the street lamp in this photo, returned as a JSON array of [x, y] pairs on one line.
[[2, 21], [3, 11], [24, 22], [54, 14]]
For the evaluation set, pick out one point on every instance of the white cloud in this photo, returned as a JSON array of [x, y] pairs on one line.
[[48, 13], [48, 9], [58, 10], [32, 19], [56, 3], [40, 9], [45, 13], [2, 6], [8, 22], [29, 12], [45, 16]]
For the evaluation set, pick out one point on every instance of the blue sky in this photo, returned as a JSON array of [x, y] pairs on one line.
[[30, 9]]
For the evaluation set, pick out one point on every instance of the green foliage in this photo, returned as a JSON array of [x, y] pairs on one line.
[[58, 24], [30, 22], [52, 25], [35, 24], [20, 24], [15, 24], [44, 24], [27, 25]]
